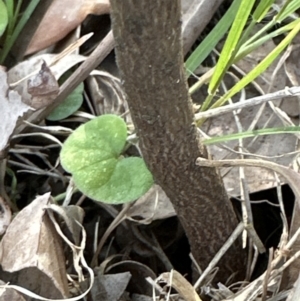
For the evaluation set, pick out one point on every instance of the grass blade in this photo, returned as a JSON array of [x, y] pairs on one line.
[[229, 49], [212, 39], [254, 133], [10, 41], [260, 68]]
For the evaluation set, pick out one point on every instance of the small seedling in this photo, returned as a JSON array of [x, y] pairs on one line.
[[92, 154]]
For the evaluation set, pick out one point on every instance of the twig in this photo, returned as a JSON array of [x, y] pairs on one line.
[[287, 92], [267, 275], [220, 253]]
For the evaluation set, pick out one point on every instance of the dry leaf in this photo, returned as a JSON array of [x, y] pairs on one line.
[[5, 216], [148, 208], [9, 294], [107, 95], [11, 108], [18, 75], [110, 287], [56, 25], [61, 18], [43, 88], [139, 272], [196, 15], [72, 216], [31, 253], [181, 285]]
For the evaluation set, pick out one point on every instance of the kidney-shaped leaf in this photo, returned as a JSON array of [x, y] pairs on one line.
[[92, 155]]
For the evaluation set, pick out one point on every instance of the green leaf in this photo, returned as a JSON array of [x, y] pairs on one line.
[[261, 37], [230, 47], [288, 8], [3, 17], [69, 106], [212, 39], [92, 155], [262, 9], [261, 67]]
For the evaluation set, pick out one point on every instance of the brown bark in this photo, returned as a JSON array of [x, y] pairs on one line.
[[149, 55]]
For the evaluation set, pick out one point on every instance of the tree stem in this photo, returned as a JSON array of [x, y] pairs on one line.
[[150, 59]]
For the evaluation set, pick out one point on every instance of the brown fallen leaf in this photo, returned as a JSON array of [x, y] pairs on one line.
[[31, 252], [43, 88], [61, 18], [18, 75]]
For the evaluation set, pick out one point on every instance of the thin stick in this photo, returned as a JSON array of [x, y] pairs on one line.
[[235, 234], [287, 92], [290, 175]]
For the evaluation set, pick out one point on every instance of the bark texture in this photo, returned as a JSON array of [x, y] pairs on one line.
[[149, 55]]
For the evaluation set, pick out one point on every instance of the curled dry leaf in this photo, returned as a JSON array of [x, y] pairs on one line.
[[31, 252], [11, 108], [42, 80], [181, 285], [43, 88], [107, 95], [19, 73], [5, 216], [61, 18]]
